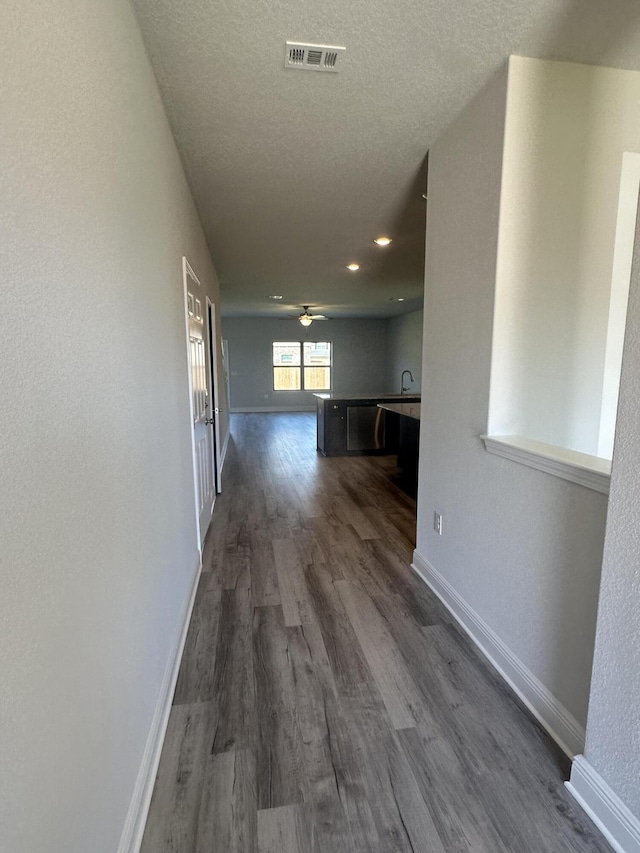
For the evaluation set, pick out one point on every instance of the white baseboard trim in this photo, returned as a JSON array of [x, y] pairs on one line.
[[258, 409], [133, 831], [620, 826], [554, 717]]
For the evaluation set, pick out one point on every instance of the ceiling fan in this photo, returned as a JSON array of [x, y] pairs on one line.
[[306, 318]]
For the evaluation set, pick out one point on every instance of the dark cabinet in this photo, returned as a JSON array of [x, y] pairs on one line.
[[408, 445], [332, 427], [355, 425]]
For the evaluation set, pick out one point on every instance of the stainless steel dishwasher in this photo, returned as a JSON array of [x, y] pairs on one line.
[[365, 427]]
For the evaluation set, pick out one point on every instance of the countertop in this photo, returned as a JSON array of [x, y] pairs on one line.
[[339, 395], [410, 410]]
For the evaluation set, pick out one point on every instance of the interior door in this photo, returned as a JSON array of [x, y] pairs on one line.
[[201, 405]]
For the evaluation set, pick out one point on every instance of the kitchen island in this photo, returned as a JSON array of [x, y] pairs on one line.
[[355, 424], [408, 442]]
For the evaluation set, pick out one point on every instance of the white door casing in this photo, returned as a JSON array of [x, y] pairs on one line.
[[217, 444], [200, 399], [225, 362]]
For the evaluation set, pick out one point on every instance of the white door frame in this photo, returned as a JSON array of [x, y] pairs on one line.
[[213, 384], [187, 271]]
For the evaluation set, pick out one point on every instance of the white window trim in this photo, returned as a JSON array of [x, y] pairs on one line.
[[301, 367]]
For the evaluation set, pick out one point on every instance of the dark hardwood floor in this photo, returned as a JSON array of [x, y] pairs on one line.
[[326, 702]]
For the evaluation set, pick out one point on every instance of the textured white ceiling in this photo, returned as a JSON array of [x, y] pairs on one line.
[[295, 173]]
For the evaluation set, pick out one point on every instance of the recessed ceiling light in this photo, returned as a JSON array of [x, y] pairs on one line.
[[275, 297], [396, 299], [353, 267], [401, 299], [382, 241]]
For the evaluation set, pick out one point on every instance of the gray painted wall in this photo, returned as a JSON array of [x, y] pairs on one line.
[[613, 729], [521, 547], [404, 347], [98, 521], [359, 359]]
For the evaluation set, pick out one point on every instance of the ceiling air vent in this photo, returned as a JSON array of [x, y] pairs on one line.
[[312, 57]]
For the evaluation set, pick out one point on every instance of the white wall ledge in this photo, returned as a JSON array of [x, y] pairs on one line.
[[593, 472]]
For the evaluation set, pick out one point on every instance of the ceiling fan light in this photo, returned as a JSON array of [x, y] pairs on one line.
[[305, 320]]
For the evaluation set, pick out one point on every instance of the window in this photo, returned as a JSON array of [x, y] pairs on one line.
[[301, 366]]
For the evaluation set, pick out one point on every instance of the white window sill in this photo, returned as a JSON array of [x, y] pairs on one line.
[[593, 472]]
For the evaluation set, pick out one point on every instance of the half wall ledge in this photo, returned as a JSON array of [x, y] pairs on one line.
[[593, 472]]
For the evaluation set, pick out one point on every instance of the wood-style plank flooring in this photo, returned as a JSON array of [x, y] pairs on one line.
[[326, 702]]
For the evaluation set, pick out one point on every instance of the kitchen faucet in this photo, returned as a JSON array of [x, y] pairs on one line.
[[402, 388]]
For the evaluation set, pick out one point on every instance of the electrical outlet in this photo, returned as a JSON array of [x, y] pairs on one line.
[[437, 523]]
